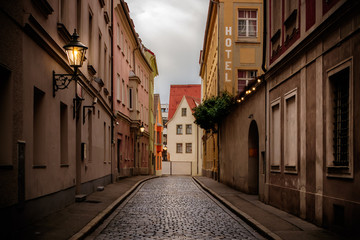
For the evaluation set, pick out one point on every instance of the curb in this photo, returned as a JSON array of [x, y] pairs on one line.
[[264, 231], [96, 221]]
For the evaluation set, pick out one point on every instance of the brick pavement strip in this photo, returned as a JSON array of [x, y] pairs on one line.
[[174, 208]]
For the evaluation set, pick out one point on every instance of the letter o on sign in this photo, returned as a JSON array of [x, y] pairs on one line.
[[228, 42]]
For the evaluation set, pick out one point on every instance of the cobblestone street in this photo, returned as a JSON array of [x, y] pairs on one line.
[[173, 208]]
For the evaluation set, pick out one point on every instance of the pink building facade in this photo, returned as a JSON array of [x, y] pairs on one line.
[[131, 73]]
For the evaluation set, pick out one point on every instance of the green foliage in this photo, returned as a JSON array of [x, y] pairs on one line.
[[213, 110]]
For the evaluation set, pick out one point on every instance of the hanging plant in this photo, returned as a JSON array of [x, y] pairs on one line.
[[213, 110]]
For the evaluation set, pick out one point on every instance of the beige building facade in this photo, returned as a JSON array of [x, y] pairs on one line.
[[231, 61], [313, 111], [56, 144]]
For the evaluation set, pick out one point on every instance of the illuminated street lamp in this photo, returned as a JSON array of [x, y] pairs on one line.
[[75, 52], [142, 128]]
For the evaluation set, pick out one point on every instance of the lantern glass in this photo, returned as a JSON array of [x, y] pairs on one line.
[[76, 56], [142, 128], [75, 51]]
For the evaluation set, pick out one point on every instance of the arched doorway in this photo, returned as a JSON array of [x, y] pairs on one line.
[[253, 160]]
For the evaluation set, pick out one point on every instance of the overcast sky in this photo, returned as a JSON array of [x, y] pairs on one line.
[[174, 30]]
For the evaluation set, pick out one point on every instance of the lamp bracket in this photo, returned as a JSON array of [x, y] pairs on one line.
[[62, 81]]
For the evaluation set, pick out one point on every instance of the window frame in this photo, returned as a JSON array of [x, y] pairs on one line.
[[183, 112], [179, 126], [331, 169], [186, 129], [275, 166], [291, 167], [131, 98], [177, 148], [248, 77], [118, 90], [186, 147], [247, 19]]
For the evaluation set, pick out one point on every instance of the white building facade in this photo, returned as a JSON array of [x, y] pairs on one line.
[[184, 136]]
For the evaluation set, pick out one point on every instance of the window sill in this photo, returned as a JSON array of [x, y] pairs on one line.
[[275, 168], [64, 165], [245, 40], [7, 167], [39, 166], [291, 170], [339, 172]]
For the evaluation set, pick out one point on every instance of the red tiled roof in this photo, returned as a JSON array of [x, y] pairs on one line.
[[192, 102], [193, 93]]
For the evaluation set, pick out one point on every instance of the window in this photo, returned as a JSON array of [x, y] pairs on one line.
[[290, 131], [158, 138], [99, 56], [275, 136], [122, 40], [245, 77], [130, 98], [276, 25], [339, 121], [39, 124], [104, 143], [247, 23], [183, 112], [188, 128], [90, 36], [123, 92], [63, 134], [118, 89], [179, 148], [118, 35], [178, 129], [188, 147]]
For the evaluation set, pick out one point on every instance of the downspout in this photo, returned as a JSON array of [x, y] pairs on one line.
[[112, 91], [263, 66], [218, 93], [197, 150]]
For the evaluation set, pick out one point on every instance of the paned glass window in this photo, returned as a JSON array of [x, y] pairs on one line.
[[183, 112], [188, 129], [188, 147], [179, 148], [245, 77], [179, 129], [247, 23]]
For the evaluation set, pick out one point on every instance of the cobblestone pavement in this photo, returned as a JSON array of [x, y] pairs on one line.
[[174, 208]]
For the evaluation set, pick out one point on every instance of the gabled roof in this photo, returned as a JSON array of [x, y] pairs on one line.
[[192, 91], [193, 102]]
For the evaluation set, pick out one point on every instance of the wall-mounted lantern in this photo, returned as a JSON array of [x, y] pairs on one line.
[[75, 52], [142, 128]]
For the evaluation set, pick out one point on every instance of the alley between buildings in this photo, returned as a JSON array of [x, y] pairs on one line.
[[173, 208]]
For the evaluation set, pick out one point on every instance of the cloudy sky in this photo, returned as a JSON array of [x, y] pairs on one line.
[[174, 30]]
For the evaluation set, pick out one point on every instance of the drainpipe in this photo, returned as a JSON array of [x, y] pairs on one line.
[[112, 93], [263, 66], [218, 92]]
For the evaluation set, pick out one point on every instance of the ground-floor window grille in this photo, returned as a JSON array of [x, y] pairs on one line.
[[340, 84]]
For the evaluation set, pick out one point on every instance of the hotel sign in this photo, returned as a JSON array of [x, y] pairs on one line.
[[228, 49]]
